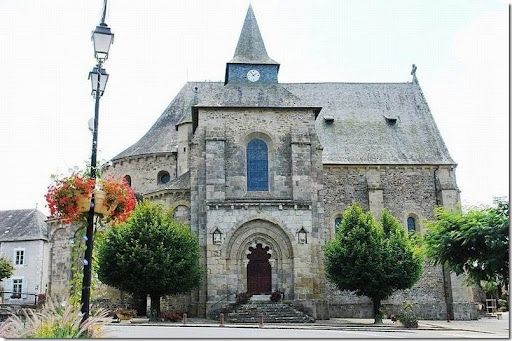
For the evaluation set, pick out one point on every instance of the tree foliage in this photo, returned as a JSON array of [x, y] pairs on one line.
[[372, 258], [475, 243], [150, 254], [6, 268]]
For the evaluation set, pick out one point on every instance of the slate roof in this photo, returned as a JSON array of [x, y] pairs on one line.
[[19, 225], [251, 48], [359, 134], [180, 183], [249, 95]]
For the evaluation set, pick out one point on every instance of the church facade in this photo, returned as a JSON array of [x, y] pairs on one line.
[[262, 171]]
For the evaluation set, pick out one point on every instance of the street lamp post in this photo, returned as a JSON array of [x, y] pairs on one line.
[[102, 39]]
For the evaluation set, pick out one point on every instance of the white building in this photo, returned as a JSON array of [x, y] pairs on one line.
[[24, 242]]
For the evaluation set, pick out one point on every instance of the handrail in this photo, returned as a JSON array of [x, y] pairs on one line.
[[214, 308]]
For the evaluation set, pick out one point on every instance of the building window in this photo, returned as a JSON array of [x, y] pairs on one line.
[[257, 165], [128, 180], [163, 177], [411, 224], [17, 285], [19, 257], [337, 223]]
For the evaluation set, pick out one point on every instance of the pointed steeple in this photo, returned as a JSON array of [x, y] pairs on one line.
[[251, 48]]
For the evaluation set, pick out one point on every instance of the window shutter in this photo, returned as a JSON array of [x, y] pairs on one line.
[[7, 287], [24, 287]]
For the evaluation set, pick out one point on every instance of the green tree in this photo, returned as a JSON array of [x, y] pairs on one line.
[[475, 243], [372, 258], [6, 268], [150, 254]]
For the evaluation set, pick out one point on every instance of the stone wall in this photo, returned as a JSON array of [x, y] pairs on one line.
[[61, 236], [220, 200], [143, 170], [405, 191]]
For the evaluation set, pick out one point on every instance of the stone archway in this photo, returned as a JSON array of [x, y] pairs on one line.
[[275, 243]]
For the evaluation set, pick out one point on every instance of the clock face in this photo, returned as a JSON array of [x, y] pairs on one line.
[[253, 75]]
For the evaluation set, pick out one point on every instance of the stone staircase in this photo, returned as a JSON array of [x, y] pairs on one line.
[[272, 313]]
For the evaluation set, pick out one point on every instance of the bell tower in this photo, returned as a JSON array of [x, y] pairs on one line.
[[251, 63]]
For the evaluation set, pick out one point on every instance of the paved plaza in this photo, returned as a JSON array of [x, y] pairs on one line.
[[329, 329]]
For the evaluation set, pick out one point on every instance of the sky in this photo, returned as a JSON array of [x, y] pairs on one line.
[[459, 46]]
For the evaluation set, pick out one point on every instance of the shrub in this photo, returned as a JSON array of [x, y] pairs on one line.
[[173, 316], [276, 296], [407, 317], [242, 298], [503, 305], [125, 314], [53, 321]]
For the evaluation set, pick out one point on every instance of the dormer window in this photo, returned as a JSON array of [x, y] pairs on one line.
[[391, 120], [329, 119]]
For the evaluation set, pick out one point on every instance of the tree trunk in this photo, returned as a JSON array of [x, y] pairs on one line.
[[155, 307], [140, 304], [376, 311]]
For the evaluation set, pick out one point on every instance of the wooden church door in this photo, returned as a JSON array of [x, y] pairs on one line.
[[259, 271]]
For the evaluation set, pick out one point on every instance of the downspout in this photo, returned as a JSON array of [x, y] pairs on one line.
[[446, 273]]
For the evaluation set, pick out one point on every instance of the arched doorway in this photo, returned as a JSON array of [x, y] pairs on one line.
[[259, 271], [275, 243]]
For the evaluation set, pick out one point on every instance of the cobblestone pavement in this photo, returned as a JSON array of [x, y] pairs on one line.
[[333, 329]]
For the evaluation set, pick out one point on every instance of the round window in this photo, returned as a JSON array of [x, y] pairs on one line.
[[163, 177]]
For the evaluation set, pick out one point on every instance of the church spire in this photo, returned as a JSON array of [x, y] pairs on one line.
[[251, 48]]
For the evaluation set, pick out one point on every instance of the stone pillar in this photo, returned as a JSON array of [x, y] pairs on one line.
[[184, 136], [215, 164], [460, 294], [375, 192], [217, 285], [301, 165]]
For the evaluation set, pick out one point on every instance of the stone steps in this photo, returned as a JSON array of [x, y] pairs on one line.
[[272, 313]]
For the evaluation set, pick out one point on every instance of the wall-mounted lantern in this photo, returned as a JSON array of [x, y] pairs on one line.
[[217, 237], [302, 236]]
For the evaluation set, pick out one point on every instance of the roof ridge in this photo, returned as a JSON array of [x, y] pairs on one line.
[[347, 83]]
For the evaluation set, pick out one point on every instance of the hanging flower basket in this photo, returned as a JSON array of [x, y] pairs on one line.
[[100, 205], [69, 198]]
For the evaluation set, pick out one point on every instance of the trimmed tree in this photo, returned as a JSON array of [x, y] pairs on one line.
[[372, 258], [6, 268], [475, 243], [150, 254]]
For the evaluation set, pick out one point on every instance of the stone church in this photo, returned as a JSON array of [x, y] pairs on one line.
[[262, 170]]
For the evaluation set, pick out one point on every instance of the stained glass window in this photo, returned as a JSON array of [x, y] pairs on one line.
[[257, 165], [411, 225]]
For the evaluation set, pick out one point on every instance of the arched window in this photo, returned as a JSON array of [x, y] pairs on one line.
[[182, 214], [128, 180], [163, 177], [337, 223], [257, 165], [411, 224]]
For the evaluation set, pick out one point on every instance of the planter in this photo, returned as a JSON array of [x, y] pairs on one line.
[[100, 206]]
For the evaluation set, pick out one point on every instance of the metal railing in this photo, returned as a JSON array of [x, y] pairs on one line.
[[20, 296], [216, 308]]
